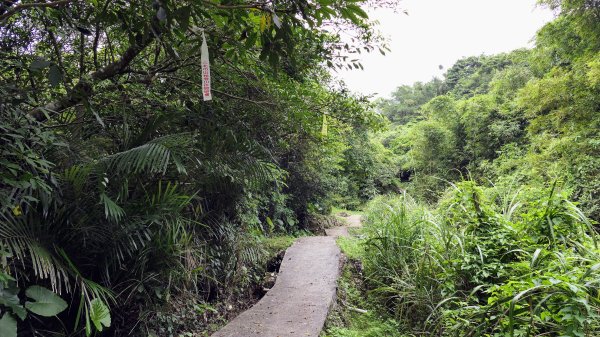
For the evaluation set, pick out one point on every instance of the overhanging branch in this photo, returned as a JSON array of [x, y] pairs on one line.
[[84, 89], [256, 5], [24, 6]]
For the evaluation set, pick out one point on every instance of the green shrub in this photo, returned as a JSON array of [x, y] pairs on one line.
[[526, 264]]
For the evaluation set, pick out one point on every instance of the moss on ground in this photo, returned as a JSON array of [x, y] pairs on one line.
[[276, 244]]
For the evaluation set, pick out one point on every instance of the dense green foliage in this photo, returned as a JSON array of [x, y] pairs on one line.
[[125, 193], [485, 264], [131, 206], [502, 158], [354, 315], [526, 117]]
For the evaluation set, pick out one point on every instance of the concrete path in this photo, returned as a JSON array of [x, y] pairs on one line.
[[298, 304], [351, 220]]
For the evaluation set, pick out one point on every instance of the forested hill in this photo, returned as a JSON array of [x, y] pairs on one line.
[[129, 205], [523, 119], [493, 229]]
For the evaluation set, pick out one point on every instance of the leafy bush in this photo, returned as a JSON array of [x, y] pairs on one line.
[[122, 188], [522, 265]]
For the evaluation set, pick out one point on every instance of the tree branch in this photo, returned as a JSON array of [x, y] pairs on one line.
[[243, 98], [262, 6], [122, 63], [97, 35], [84, 89], [58, 55], [246, 6], [21, 7], [81, 54], [222, 92]]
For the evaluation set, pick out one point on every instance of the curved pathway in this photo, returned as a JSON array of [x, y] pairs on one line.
[[353, 221], [298, 304]]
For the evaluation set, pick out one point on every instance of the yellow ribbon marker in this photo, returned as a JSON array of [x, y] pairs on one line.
[[263, 23], [324, 127], [17, 210]]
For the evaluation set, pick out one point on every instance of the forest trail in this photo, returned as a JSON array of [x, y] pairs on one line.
[[298, 304], [353, 221]]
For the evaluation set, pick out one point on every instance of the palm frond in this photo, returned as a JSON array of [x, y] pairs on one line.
[[24, 238], [227, 158], [154, 156], [112, 211]]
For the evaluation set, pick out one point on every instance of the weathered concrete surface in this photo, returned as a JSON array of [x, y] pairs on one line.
[[351, 220], [299, 302]]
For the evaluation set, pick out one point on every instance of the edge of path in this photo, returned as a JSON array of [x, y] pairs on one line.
[[304, 291]]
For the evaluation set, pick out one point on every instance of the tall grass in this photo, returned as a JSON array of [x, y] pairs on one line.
[[401, 255], [523, 264]]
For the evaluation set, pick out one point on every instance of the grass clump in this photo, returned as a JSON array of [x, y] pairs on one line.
[[354, 315], [483, 264], [351, 247], [276, 244]]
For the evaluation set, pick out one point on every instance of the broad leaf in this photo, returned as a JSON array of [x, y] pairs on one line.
[[54, 75], [100, 314], [161, 14], [39, 63], [9, 298], [46, 302], [8, 326]]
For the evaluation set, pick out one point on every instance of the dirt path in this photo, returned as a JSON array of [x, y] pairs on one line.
[[298, 304]]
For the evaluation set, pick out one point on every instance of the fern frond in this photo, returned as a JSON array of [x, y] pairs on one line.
[[167, 199], [77, 175]]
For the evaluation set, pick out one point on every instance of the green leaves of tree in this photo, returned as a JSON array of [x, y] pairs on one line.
[[55, 75], [9, 297], [354, 13], [132, 183], [39, 63]]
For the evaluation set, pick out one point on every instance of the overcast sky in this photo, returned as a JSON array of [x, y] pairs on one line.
[[439, 32]]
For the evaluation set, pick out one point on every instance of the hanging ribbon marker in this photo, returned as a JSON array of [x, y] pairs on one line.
[[276, 20], [205, 63]]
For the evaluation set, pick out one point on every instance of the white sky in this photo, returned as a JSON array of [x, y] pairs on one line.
[[439, 32]]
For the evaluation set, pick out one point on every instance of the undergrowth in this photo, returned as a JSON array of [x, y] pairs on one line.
[[185, 314], [338, 210], [484, 262], [354, 315]]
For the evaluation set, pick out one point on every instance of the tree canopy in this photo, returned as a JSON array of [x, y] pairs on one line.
[[118, 178]]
